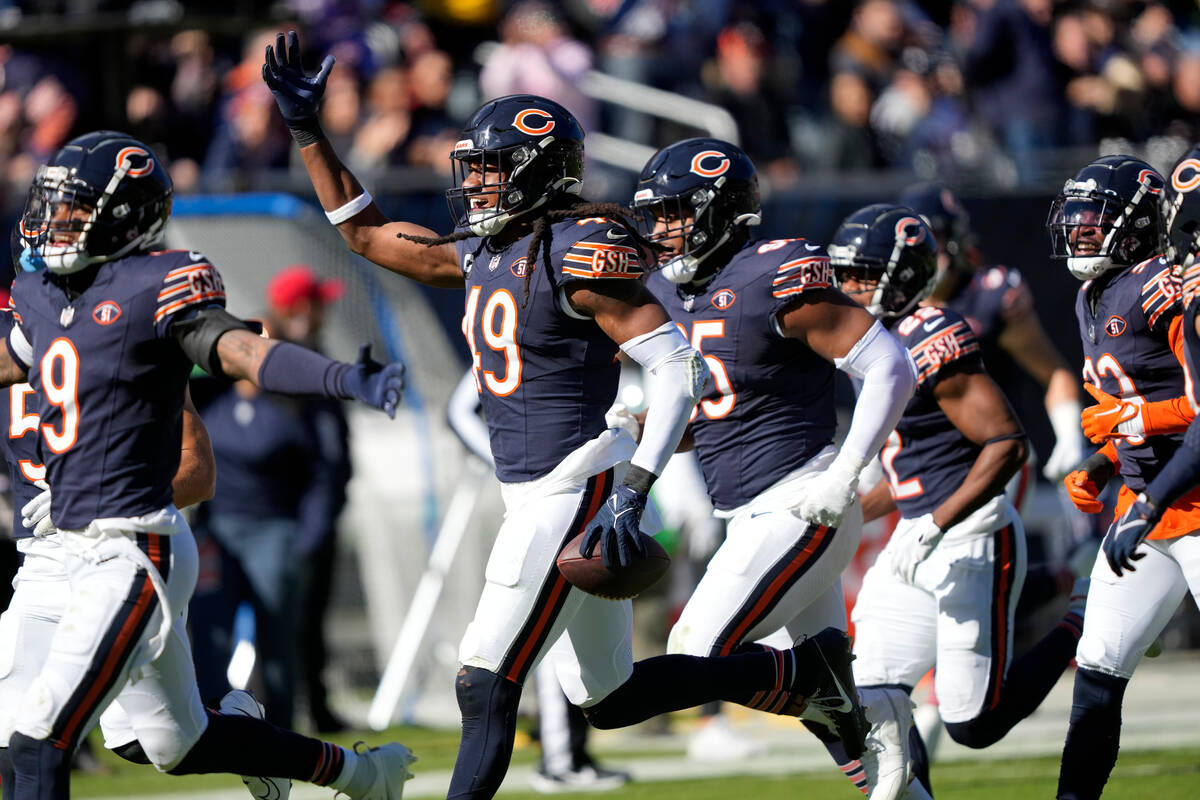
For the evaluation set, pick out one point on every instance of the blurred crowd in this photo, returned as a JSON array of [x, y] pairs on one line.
[[936, 87]]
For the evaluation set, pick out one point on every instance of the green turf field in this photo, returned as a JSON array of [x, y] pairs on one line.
[[1161, 774]]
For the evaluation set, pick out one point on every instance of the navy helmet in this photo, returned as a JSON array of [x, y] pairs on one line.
[[945, 216], [891, 246], [1182, 210], [102, 196], [525, 149], [705, 190], [1120, 198]]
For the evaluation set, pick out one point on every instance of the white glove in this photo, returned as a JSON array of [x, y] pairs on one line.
[[1069, 445], [914, 545], [36, 513], [827, 496], [619, 416]]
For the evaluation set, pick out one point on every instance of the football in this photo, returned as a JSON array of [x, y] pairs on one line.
[[590, 574]]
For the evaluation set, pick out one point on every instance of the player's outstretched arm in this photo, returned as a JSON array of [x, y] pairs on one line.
[[347, 205], [1026, 341], [840, 330], [223, 345], [196, 479], [973, 402]]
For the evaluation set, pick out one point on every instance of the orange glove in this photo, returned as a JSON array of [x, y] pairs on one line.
[[1103, 421], [1086, 482], [1083, 492]]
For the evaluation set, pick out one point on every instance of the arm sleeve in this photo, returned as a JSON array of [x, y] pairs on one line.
[[676, 374], [888, 377], [19, 347], [462, 412]]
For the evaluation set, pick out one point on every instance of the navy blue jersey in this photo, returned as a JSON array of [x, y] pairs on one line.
[[545, 373], [20, 423], [769, 404], [989, 299], [111, 379], [1125, 323], [926, 458]]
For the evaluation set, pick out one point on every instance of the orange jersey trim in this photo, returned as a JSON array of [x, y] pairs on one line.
[[1181, 517]]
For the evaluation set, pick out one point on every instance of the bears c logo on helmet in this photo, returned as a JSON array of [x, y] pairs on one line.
[[1150, 180], [527, 120], [1190, 168], [128, 155], [721, 167], [903, 230]]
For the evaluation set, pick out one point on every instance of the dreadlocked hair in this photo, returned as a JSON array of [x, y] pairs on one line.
[[560, 207], [571, 207]]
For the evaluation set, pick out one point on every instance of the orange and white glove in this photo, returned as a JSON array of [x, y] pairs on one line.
[[1111, 417], [1085, 483]]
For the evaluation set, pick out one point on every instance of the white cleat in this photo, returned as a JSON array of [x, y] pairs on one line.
[[886, 760], [391, 762], [260, 788]]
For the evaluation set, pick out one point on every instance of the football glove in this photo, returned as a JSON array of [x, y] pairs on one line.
[[1127, 533], [1085, 483], [1068, 440], [828, 495], [1111, 417], [914, 545], [36, 513], [378, 385], [617, 528], [296, 92]]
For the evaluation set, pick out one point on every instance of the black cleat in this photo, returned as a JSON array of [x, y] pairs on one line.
[[835, 695]]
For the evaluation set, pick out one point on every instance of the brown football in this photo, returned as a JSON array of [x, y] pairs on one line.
[[590, 574]]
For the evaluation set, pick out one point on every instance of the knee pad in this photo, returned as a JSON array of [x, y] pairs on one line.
[[480, 691], [132, 752], [1097, 692]]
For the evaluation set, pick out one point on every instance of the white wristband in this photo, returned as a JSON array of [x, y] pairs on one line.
[[340, 215]]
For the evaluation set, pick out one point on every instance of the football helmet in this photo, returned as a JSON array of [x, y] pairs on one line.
[[102, 196], [517, 152], [702, 190], [1108, 216], [892, 246], [946, 218], [1181, 210]]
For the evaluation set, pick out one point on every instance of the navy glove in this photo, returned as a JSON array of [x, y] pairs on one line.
[[378, 385], [297, 93], [1125, 534], [617, 528]]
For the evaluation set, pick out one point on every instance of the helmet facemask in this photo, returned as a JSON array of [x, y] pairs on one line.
[[1095, 230], [694, 219], [511, 182], [899, 285], [67, 225]]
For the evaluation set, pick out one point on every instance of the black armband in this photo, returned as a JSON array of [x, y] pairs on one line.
[[307, 131], [639, 479], [198, 334], [1006, 437]]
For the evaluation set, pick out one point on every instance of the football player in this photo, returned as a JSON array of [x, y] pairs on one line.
[[553, 290], [41, 586], [773, 329], [1107, 223], [106, 330], [996, 302], [943, 592]]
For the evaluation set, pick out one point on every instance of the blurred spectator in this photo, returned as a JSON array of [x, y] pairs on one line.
[[872, 44], [341, 112], [1009, 63], [852, 146], [379, 141], [738, 84], [1105, 83], [267, 536], [430, 79], [537, 56]]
